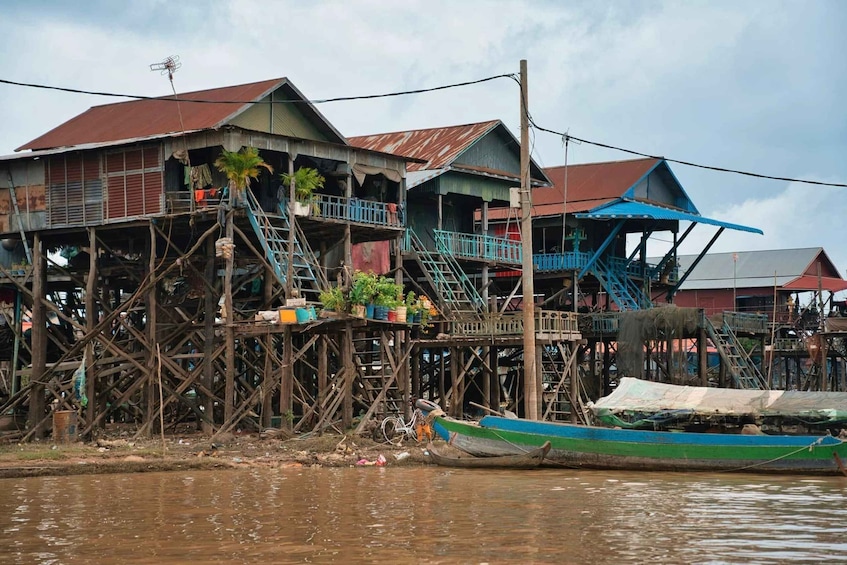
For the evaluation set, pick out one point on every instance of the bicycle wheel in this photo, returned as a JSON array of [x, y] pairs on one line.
[[393, 430]]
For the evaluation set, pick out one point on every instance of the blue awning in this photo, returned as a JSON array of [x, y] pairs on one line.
[[624, 210]]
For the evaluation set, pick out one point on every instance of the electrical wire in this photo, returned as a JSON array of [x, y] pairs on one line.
[[318, 101], [533, 124], [687, 163]]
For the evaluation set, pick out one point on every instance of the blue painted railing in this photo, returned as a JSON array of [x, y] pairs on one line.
[[355, 210], [479, 247], [633, 269], [560, 261]]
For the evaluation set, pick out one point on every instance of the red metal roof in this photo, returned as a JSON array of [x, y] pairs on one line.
[[145, 118], [589, 185], [810, 283], [437, 146]]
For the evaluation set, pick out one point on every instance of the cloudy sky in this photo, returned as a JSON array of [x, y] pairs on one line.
[[753, 85]]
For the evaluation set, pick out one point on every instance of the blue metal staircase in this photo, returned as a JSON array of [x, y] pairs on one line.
[[273, 231], [456, 295], [744, 372], [622, 290]]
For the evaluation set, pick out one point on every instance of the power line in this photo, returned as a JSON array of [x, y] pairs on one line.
[[511, 76], [319, 101], [687, 163]]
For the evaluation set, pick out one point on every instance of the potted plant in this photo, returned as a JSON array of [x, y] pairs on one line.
[[385, 297], [362, 293], [333, 299], [413, 308], [240, 167], [306, 181]]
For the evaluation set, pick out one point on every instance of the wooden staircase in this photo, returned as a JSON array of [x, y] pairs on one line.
[[454, 292], [744, 372], [273, 233]]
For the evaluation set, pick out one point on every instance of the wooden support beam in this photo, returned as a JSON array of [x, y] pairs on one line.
[[152, 307], [210, 308], [347, 352], [286, 389], [229, 395], [267, 374], [39, 340], [91, 316], [455, 401]]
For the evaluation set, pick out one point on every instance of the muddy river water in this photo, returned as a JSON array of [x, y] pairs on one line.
[[422, 515]]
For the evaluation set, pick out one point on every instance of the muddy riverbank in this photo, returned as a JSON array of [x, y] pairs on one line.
[[121, 453]]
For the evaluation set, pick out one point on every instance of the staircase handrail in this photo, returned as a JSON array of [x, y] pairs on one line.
[[470, 290], [748, 361], [307, 254], [445, 294]]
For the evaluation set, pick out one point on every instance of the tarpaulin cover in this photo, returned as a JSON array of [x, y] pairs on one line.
[[636, 395], [360, 171]]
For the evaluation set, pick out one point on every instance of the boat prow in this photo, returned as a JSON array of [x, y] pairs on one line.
[[529, 460]]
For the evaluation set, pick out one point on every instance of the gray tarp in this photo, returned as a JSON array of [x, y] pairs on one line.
[[635, 395]]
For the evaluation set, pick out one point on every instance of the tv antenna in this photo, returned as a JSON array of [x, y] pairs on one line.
[[169, 66]]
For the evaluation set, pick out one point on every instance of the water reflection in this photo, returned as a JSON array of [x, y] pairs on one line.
[[429, 515]]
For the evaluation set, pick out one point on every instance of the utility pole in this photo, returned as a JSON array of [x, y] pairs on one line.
[[530, 378]]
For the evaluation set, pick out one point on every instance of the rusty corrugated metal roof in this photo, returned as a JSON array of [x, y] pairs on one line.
[[146, 118], [592, 182], [439, 147], [589, 185]]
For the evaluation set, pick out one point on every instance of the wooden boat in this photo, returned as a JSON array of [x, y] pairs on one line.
[[529, 460], [641, 404], [605, 448]]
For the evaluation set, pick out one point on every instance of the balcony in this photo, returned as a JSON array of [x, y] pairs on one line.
[[549, 324], [354, 210], [553, 262], [475, 247]]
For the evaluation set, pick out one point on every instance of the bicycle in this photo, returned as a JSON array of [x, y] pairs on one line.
[[395, 429]]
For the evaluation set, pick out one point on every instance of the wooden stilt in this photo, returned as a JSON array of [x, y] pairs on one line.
[[349, 373], [210, 308], [91, 316], [39, 340], [229, 391], [151, 390]]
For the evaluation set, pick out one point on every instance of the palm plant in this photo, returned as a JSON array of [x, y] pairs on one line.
[[306, 181], [240, 167]]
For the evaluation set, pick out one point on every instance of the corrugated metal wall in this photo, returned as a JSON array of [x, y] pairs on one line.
[[28, 179], [74, 189], [134, 180]]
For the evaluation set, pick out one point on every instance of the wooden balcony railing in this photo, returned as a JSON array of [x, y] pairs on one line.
[[748, 323], [547, 322], [478, 247]]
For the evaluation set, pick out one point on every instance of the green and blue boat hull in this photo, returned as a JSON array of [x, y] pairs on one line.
[[605, 448]]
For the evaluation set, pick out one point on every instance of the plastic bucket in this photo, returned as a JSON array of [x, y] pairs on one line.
[[287, 317], [401, 314], [303, 316], [64, 426]]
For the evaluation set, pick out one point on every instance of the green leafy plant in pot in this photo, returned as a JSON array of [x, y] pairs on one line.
[[306, 181], [362, 291], [333, 299]]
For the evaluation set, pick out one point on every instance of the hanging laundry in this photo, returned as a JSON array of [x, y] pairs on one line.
[[201, 176]]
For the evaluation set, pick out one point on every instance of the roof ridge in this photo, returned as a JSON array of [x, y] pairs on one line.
[[191, 92], [603, 163], [425, 129]]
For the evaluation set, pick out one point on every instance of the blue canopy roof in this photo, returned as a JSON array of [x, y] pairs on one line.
[[627, 209]]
